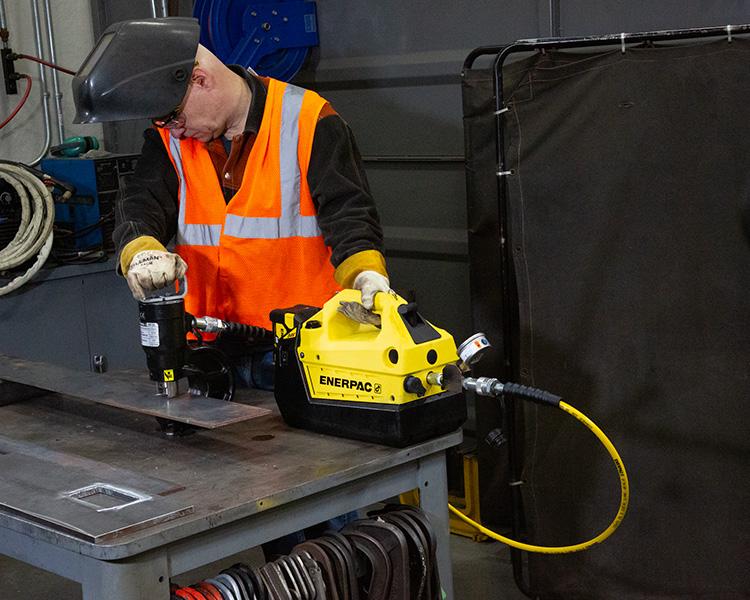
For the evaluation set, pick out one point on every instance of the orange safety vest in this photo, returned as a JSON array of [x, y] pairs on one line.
[[263, 249]]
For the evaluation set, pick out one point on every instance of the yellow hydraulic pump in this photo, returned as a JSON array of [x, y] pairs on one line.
[[374, 381]]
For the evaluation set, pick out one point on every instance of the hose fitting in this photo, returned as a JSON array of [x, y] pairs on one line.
[[236, 330], [484, 386], [488, 386]]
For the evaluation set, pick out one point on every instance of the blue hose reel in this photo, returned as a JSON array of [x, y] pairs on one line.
[[272, 38]]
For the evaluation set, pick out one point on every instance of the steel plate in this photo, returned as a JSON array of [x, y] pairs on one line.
[[136, 394]]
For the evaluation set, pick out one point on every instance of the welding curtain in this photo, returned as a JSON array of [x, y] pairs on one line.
[[627, 217]]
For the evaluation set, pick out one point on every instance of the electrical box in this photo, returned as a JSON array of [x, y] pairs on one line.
[[86, 220]]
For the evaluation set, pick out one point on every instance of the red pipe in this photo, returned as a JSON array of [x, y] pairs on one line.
[[44, 62], [21, 103]]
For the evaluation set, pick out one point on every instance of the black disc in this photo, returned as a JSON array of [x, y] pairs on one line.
[[209, 373]]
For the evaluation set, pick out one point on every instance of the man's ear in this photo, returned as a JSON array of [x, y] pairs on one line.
[[201, 78]]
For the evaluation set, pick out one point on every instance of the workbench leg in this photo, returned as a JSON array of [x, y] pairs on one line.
[[143, 577], [433, 498]]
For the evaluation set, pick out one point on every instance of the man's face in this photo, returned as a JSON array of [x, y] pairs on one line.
[[200, 115], [201, 118]]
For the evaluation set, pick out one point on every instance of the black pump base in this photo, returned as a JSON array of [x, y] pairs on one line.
[[391, 425]]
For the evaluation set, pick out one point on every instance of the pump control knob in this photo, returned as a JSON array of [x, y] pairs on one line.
[[414, 385]]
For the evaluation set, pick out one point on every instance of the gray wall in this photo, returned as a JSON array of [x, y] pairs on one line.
[[21, 139], [592, 17]]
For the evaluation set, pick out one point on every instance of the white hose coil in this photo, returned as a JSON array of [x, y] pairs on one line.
[[34, 235]]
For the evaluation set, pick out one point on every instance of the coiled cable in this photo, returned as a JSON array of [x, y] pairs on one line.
[[34, 236], [544, 398]]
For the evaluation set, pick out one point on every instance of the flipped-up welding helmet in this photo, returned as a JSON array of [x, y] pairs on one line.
[[138, 69]]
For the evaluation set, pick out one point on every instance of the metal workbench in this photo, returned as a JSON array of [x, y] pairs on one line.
[[221, 491]]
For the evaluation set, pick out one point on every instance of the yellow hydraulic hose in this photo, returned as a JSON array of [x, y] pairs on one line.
[[624, 496]]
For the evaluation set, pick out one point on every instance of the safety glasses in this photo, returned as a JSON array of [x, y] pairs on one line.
[[171, 120], [174, 118]]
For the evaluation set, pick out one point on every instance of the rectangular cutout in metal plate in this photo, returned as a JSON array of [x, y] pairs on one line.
[[90, 501], [104, 496]]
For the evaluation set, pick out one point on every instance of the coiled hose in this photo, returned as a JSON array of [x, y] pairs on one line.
[[34, 235], [542, 397]]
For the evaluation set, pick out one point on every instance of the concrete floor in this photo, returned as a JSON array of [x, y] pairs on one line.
[[480, 570]]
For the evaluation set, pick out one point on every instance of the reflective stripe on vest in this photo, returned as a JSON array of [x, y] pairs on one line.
[[190, 234], [290, 224]]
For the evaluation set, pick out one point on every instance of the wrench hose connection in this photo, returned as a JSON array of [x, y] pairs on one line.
[[237, 330], [488, 386]]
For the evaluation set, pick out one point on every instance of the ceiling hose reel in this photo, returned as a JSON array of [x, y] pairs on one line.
[[273, 38], [470, 352]]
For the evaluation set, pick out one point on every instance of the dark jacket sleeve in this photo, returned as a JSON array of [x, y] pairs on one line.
[[148, 201], [347, 215]]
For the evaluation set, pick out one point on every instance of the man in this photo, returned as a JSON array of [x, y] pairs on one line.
[[260, 182]]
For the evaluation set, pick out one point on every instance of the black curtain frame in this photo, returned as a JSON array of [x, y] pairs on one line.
[[509, 300]]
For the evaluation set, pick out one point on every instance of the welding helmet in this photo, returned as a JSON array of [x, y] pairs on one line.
[[138, 69]]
